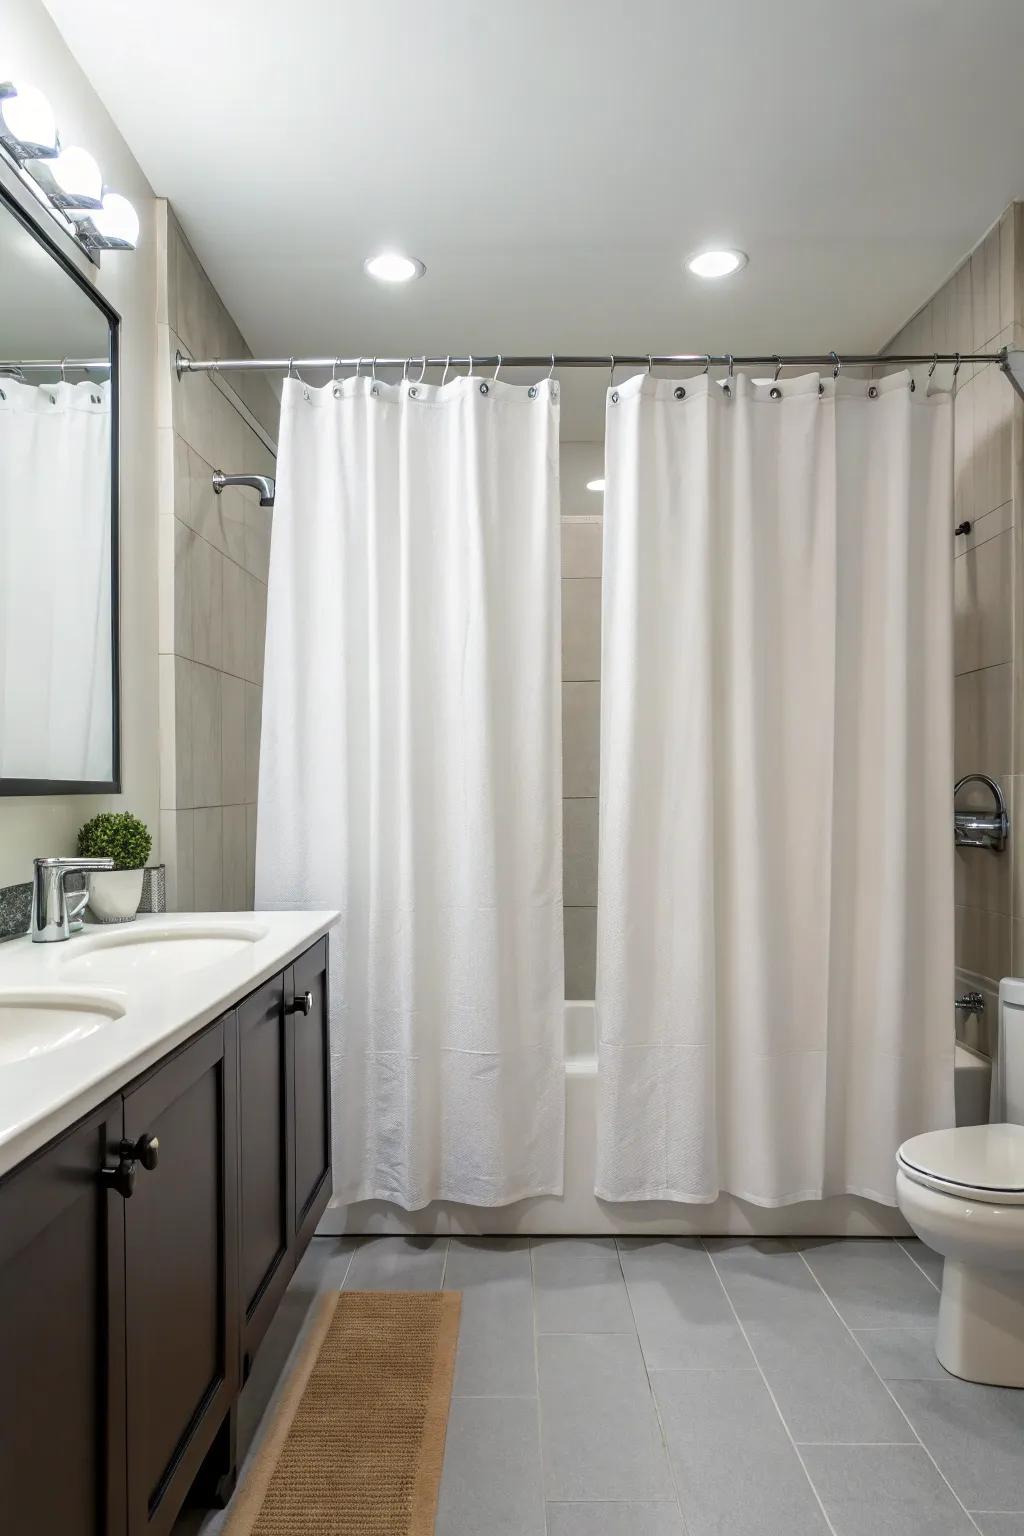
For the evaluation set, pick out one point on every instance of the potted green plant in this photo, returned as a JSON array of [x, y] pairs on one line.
[[114, 895]]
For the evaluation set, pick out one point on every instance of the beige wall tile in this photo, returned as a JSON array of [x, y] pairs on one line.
[[983, 942], [207, 786], [985, 289], [1006, 259], [234, 658], [258, 522], [206, 582], [255, 627], [234, 852], [982, 721], [232, 738], [581, 549], [983, 605], [581, 630], [250, 856], [208, 859], [253, 718], [580, 951], [175, 682], [990, 526], [579, 833], [177, 849], [581, 738], [963, 454], [578, 463]]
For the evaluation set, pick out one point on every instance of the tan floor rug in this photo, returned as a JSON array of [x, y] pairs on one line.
[[356, 1443]]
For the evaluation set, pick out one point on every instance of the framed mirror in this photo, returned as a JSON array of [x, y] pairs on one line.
[[59, 708]]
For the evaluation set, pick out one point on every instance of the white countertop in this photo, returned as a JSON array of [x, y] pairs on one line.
[[43, 1094]]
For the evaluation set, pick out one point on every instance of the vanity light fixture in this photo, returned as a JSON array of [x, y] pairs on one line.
[[595, 485], [28, 128], [716, 263], [67, 181], [390, 267]]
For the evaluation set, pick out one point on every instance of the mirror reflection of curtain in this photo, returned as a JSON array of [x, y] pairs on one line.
[[55, 636]]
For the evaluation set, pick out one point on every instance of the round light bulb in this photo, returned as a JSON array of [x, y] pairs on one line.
[[716, 263], [28, 118], [77, 174], [117, 219], [595, 485], [389, 267]]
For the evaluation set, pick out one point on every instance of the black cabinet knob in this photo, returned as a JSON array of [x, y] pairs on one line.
[[122, 1178], [147, 1150], [302, 1003]]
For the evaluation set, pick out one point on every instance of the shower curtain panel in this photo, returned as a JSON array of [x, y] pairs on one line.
[[775, 907], [410, 773], [55, 694]]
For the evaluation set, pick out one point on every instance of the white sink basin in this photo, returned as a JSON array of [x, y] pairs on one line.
[[153, 953], [35, 1022]]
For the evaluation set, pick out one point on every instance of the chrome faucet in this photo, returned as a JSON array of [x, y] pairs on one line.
[[56, 914]]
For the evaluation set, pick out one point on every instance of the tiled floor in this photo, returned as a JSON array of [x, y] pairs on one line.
[[672, 1387]]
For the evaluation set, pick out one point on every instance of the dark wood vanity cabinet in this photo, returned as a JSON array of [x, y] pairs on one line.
[[142, 1256], [62, 1358]]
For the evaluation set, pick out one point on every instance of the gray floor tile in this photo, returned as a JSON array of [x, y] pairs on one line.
[[924, 1257], [599, 1429], [871, 1283], [901, 1354], [976, 1435], [397, 1264], [825, 1389], [999, 1525], [614, 1520], [735, 1468], [682, 1314], [497, 1354], [578, 1286], [883, 1490], [491, 1484], [763, 1276]]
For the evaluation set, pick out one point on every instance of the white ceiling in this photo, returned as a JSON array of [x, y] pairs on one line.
[[553, 160]]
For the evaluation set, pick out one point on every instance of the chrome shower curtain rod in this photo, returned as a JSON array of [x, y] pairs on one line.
[[42, 364], [555, 360]]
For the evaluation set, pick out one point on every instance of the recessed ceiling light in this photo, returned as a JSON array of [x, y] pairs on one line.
[[716, 263], [389, 267], [595, 485]]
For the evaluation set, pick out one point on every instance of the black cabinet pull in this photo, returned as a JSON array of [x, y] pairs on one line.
[[302, 1003], [122, 1178]]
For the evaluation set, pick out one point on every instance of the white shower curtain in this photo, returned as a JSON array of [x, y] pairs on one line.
[[55, 621], [410, 773], [775, 905]]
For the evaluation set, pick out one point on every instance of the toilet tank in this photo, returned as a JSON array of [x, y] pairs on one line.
[[1008, 1080]]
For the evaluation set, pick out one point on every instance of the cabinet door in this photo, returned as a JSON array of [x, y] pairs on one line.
[[308, 1021], [266, 1186], [62, 1463], [181, 1272]]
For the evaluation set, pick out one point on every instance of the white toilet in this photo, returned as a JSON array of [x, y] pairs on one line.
[[962, 1191]]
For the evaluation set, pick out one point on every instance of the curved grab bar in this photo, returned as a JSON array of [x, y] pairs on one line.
[[981, 829]]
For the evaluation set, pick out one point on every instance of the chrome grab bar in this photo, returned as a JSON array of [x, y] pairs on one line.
[[981, 829]]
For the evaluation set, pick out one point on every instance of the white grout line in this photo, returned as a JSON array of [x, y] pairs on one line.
[[536, 1370], [885, 1384], [919, 1267], [650, 1388], [768, 1389]]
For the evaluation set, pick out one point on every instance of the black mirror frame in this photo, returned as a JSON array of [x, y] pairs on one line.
[[111, 786]]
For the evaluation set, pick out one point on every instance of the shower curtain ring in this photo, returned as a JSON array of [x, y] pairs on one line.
[[728, 359], [422, 370], [359, 364], [334, 370], [469, 375], [956, 366], [405, 368], [707, 363], [837, 365], [447, 365], [778, 368], [551, 370], [63, 370], [373, 370], [934, 365], [291, 361], [611, 370], [650, 362], [498, 369]]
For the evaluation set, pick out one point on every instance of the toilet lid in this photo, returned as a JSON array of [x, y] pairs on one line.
[[984, 1160]]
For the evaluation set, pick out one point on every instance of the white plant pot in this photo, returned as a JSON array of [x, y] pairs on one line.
[[114, 895]]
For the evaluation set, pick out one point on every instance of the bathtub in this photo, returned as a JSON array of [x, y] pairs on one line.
[[579, 1211]]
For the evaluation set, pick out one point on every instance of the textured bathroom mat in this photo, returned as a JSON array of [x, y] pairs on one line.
[[356, 1443]]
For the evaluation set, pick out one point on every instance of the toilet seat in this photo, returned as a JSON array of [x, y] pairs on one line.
[[976, 1162]]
